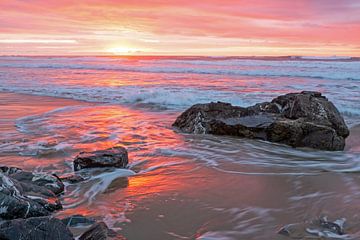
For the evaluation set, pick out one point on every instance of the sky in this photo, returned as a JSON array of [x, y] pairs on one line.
[[180, 27]]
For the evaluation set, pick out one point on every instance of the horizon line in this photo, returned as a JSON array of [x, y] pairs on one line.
[[168, 55]]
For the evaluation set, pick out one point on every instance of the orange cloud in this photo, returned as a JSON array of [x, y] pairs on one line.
[[209, 27]]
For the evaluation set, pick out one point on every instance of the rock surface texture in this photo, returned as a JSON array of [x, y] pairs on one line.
[[24, 194], [320, 228], [28, 198], [305, 119], [98, 231], [35, 228], [113, 157]]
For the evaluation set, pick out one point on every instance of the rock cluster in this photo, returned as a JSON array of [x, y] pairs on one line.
[[27, 200], [25, 194], [305, 119]]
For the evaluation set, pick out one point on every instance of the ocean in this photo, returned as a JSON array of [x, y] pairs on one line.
[[181, 186]]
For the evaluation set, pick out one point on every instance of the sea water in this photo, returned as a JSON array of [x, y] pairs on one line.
[[181, 186]]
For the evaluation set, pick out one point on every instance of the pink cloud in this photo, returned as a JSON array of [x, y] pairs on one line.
[[277, 23]]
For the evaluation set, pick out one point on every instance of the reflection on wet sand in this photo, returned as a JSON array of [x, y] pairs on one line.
[[352, 142], [181, 186]]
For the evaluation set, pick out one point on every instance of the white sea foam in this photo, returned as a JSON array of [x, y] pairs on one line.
[[166, 97], [326, 58], [177, 83]]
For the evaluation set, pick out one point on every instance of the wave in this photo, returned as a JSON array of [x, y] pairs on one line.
[[299, 63], [326, 58], [172, 98], [238, 67]]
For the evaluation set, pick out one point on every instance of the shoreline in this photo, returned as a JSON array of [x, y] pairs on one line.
[[28, 104], [33, 104], [159, 181]]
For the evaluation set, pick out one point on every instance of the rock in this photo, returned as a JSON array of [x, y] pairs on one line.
[[9, 170], [49, 181], [305, 119], [113, 157], [24, 200], [35, 228], [72, 178], [77, 220], [317, 229], [98, 231]]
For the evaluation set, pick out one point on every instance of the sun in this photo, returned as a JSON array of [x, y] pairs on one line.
[[123, 50]]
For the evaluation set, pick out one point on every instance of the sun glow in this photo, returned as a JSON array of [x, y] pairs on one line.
[[123, 50]]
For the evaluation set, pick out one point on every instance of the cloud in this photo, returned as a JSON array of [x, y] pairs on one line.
[[44, 41], [164, 25]]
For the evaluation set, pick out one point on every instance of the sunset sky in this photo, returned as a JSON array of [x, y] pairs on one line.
[[181, 27]]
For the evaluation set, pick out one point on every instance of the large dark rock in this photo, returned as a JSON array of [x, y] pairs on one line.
[[34, 229], [25, 199], [113, 157], [305, 119]]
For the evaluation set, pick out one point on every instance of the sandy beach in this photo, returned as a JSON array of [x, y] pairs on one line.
[[177, 191], [179, 120]]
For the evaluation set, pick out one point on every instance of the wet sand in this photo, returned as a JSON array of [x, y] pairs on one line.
[[15, 105], [185, 186], [353, 141]]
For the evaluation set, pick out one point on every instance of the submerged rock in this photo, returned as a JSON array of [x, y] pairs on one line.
[[317, 229], [72, 178], [305, 119], [112, 157], [35, 228], [98, 231], [78, 220]]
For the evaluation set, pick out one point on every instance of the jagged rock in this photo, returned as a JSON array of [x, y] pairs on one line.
[[9, 170], [77, 220], [49, 181], [316, 229], [24, 200], [98, 231], [305, 119], [112, 157], [34, 228]]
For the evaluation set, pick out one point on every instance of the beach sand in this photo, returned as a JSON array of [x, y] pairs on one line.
[[177, 192], [15, 105]]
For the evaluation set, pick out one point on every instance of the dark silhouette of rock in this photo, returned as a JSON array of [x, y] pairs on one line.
[[24, 199], [305, 119], [35, 228], [113, 157], [98, 231]]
